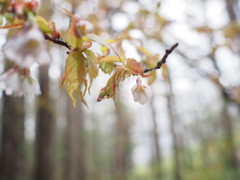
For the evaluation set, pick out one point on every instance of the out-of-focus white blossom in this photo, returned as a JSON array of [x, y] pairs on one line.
[[141, 93], [10, 82], [30, 86], [27, 47], [16, 82]]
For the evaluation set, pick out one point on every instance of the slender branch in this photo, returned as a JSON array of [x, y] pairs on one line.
[[163, 60], [59, 41]]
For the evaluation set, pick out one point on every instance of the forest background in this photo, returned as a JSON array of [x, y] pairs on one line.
[[189, 129]]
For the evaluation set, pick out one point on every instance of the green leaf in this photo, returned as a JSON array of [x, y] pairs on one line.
[[43, 24], [74, 76], [91, 66], [107, 67]]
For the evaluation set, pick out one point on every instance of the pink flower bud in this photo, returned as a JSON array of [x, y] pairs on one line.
[[77, 17]]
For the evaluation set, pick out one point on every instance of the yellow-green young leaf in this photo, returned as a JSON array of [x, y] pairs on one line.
[[104, 48], [85, 39], [110, 59], [107, 67], [144, 51], [12, 23], [43, 24], [74, 76], [122, 54], [232, 30], [109, 90], [133, 67], [151, 61], [4, 5], [73, 37], [1, 20], [101, 41], [9, 17], [152, 78], [165, 72], [91, 66]]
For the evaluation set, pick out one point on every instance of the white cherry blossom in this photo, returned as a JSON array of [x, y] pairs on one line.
[[30, 86], [10, 82], [141, 93], [17, 82], [27, 47]]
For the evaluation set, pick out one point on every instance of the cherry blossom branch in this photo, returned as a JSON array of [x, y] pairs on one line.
[[59, 41], [163, 60]]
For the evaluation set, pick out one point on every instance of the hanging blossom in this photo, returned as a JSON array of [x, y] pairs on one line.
[[18, 82], [141, 93], [27, 47]]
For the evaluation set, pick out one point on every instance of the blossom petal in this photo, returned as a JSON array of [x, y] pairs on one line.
[[143, 98], [30, 86]]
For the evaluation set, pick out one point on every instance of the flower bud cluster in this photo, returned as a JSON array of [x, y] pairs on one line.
[[19, 8]]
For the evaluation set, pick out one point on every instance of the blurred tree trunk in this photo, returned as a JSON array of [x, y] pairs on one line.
[[95, 150], [155, 135], [177, 172], [75, 148], [232, 159], [227, 124], [12, 162], [46, 119], [45, 131], [122, 149], [232, 9], [172, 117]]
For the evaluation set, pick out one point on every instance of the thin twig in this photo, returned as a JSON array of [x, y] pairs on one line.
[[59, 41], [160, 63]]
